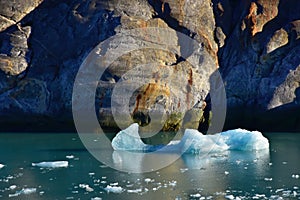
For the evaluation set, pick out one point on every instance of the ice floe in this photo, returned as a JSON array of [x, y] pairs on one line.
[[194, 142], [23, 191], [86, 187], [1, 166], [53, 164], [114, 189]]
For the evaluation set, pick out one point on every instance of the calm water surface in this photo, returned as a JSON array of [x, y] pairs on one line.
[[271, 174]]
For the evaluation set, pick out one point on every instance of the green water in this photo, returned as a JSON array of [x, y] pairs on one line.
[[247, 175]]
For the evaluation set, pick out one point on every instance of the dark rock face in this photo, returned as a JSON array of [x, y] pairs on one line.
[[255, 45]]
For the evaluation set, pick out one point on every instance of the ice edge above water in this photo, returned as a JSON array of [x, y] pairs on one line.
[[53, 164], [194, 142]]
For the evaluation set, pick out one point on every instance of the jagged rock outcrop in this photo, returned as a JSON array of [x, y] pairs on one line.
[[254, 44], [11, 12]]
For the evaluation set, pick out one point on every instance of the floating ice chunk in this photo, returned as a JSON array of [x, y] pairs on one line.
[[23, 191], [182, 170], [129, 139], [194, 142], [148, 180], [296, 176], [1, 166], [237, 139], [294, 193], [197, 195], [70, 157], [86, 187], [139, 190], [240, 139], [54, 164], [12, 187], [114, 184], [172, 183], [229, 196], [114, 189], [96, 198], [268, 179]]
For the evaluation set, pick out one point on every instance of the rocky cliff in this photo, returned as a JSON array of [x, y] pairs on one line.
[[253, 44]]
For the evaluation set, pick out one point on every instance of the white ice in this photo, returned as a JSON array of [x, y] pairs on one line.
[[23, 191], [194, 142], [86, 187], [114, 189], [54, 164], [129, 140], [1, 166]]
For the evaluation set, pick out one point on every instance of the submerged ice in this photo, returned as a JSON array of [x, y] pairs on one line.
[[194, 142]]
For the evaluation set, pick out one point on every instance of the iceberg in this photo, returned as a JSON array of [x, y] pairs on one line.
[[129, 140], [1, 166], [244, 140], [54, 164], [194, 142]]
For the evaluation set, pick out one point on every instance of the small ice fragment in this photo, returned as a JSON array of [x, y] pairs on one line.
[[147, 180], [226, 172], [54, 164], [114, 189], [268, 179], [296, 176], [294, 193], [96, 198], [135, 191], [1, 166], [270, 163], [284, 163], [86, 187], [28, 190], [182, 170], [114, 184], [10, 177], [260, 195], [197, 195], [279, 190], [172, 183], [91, 173], [12, 187], [70, 157], [23, 191], [229, 196]]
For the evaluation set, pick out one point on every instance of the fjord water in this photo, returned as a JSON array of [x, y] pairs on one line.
[[266, 174]]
